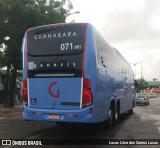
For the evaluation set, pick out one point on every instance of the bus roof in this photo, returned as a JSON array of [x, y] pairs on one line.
[[56, 25]]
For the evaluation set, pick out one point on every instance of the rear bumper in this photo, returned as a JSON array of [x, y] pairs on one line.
[[81, 116]]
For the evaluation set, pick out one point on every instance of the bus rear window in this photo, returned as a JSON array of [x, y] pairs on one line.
[[54, 40], [55, 50]]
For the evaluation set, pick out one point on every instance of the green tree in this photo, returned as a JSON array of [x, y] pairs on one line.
[[142, 84], [15, 17]]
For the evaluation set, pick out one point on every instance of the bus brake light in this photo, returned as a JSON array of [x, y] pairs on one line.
[[25, 92], [87, 94]]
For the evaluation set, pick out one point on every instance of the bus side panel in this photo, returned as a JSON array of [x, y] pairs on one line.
[[101, 79], [105, 80], [90, 70], [104, 89]]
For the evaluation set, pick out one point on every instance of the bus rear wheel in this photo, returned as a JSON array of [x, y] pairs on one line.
[[116, 116], [110, 118]]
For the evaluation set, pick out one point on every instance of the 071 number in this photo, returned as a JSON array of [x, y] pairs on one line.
[[66, 46]]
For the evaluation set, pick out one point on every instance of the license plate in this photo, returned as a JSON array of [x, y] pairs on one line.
[[53, 116]]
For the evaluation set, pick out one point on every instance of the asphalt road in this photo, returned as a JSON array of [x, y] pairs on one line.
[[144, 123]]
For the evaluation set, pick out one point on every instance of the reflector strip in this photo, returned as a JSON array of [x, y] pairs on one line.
[[34, 113], [54, 75]]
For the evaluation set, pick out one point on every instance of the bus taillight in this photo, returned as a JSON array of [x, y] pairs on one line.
[[25, 92], [87, 94]]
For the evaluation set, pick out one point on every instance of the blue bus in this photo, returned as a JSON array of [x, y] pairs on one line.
[[71, 74]]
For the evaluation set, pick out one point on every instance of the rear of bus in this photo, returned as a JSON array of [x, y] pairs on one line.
[[54, 84]]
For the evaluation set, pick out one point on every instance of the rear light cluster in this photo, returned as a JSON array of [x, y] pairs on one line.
[[25, 93], [87, 94]]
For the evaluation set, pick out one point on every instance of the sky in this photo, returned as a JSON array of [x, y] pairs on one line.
[[131, 26]]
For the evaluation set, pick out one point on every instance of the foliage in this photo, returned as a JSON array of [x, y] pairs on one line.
[[142, 84], [15, 17]]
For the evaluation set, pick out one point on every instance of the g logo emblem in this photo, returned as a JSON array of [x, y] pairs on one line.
[[57, 95]]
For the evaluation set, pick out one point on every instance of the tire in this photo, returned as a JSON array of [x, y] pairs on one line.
[[116, 116], [110, 118]]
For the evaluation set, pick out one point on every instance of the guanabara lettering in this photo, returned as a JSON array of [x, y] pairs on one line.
[[54, 35]]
